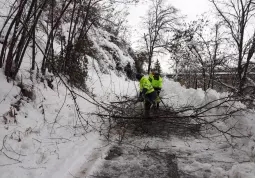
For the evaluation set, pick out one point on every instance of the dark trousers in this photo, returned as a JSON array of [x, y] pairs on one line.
[[150, 99]]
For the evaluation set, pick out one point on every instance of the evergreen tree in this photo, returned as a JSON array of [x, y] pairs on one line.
[[157, 67]]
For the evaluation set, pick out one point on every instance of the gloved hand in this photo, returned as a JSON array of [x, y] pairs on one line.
[[141, 97], [157, 90]]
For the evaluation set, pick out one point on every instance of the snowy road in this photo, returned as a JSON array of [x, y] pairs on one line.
[[127, 161], [140, 153]]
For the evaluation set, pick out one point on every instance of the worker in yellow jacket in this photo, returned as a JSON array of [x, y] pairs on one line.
[[156, 81], [147, 94]]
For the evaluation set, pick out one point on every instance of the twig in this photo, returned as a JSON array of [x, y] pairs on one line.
[[6, 95], [55, 120], [30, 168]]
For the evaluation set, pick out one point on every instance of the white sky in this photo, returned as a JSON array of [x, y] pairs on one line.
[[190, 8]]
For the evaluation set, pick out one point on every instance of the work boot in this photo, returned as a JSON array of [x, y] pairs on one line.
[[154, 106]]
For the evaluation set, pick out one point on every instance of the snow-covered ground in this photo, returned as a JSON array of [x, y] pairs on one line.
[[36, 146], [48, 139]]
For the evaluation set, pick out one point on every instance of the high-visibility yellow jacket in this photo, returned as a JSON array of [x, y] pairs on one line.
[[145, 86], [157, 84]]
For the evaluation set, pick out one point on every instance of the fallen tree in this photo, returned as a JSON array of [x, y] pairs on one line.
[[125, 116]]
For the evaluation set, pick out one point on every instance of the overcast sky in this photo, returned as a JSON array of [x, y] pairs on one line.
[[190, 8]]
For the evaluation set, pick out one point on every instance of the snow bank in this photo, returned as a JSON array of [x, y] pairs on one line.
[[179, 96], [244, 170], [215, 158], [48, 139]]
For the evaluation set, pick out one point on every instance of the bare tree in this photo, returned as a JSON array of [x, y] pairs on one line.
[[19, 34], [199, 51], [34, 38], [207, 53], [160, 21], [238, 16], [27, 16], [54, 21]]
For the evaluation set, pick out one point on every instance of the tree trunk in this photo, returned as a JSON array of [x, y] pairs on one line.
[[34, 36], [9, 71], [51, 37], [150, 61], [14, 22]]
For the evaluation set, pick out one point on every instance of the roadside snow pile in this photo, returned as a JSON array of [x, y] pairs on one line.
[[220, 154], [178, 96], [46, 137], [43, 139]]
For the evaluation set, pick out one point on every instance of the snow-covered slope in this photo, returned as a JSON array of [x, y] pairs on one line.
[[111, 50], [47, 139], [213, 156]]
